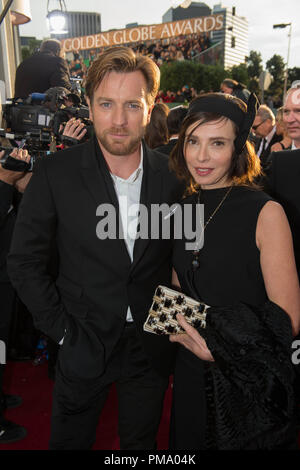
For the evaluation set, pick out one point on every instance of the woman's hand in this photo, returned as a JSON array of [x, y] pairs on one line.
[[192, 340]]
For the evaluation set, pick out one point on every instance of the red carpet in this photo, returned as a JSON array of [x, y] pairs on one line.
[[32, 383]]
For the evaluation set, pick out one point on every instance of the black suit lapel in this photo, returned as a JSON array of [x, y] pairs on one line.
[[150, 194], [95, 172], [98, 181]]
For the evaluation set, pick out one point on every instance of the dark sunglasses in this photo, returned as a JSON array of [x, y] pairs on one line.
[[257, 126]]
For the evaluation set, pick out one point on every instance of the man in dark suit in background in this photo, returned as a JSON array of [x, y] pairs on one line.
[[282, 182], [43, 70], [264, 127], [107, 275], [283, 185], [11, 183], [283, 174]]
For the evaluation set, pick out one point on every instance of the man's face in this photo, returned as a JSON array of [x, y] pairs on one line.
[[291, 115], [120, 112], [261, 127], [225, 89]]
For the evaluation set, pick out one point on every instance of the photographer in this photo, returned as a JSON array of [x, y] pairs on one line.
[[232, 87], [70, 122], [43, 70], [11, 183]]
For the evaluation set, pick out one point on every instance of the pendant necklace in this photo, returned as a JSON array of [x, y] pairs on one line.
[[196, 252]]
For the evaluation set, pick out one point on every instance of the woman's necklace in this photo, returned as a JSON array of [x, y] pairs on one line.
[[195, 261]]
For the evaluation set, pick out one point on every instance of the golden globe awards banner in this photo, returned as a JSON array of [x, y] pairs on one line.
[[154, 32]]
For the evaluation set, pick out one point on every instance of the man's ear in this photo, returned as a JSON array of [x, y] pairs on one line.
[[90, 108]]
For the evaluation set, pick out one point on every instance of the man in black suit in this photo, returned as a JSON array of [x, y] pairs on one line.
[[264, 127], [11, 183], [84, 198], [283, 184], [43, 70]]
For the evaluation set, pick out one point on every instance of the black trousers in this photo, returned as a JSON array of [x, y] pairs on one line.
[[77, 404], [189, 408]]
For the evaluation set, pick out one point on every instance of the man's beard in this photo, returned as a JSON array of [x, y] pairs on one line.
[[114, 147]]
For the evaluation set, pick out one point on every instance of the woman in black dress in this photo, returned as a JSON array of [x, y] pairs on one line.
[[246, 262]]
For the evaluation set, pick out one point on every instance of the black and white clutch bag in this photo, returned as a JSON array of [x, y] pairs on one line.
[[167, 303]]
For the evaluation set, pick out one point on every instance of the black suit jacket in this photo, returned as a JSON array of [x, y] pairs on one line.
[[9, 198], [283, 183], [40, 72], [264, 156], [96, 279], [167, 148]]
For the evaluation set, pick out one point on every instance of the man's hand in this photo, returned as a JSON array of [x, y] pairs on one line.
[[11, 177], [192, 340], [74, 128]]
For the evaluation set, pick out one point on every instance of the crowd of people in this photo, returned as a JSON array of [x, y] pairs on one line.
[[234, 381], [185, 47]]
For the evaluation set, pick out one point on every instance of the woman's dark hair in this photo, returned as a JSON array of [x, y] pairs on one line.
[[157, 130], [245, 167]]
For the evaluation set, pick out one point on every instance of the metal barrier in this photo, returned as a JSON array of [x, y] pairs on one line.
[[212, 56]]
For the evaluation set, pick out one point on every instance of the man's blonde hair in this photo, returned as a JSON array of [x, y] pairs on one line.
[[123, 60]]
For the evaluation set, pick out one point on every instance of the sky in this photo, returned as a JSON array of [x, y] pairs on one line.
[[261, 15]]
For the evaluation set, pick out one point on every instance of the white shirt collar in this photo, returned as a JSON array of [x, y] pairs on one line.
[[136, 174], [269, 137], [294, 146]]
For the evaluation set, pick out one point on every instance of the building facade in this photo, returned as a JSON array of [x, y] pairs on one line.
[[81, 24], [195, 10], [232, 40], [234, 35]]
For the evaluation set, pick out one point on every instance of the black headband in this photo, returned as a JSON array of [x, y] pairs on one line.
[[224, 106]]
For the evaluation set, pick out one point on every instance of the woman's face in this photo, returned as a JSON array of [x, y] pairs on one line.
[[208, 151]]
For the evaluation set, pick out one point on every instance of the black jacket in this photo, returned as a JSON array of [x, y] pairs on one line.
[[8, 199], [40, 72], [96, 279], [250, 394], [264, 156], [282, 183], [167, 148]]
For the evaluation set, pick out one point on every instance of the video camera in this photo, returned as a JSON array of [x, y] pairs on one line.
[[37, 123], [38, 118], [28, 115], [62, 116]]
